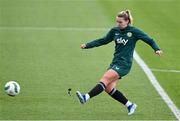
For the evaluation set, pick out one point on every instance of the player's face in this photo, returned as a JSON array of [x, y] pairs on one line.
[[121, 22]]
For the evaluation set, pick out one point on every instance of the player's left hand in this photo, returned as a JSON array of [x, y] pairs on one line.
[[159, 52]]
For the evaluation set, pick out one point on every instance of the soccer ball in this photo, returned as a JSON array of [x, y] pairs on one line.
[[12, 88]]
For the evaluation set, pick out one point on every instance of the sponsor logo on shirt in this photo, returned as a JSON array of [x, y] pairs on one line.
[[121, 41]]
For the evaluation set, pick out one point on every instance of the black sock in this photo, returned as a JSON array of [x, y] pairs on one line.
[[117, 95], [97, 89]]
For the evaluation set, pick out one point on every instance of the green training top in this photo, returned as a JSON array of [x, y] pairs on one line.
[[125, 41]]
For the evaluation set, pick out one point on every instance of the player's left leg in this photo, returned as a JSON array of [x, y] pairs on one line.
[[117, 95]]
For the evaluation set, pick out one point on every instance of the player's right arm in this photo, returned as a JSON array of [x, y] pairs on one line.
[[98, 42]]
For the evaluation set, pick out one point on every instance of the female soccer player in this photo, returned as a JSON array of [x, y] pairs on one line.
[[125, 37]]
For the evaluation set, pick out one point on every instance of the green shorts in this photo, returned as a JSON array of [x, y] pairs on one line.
[[121, 70]]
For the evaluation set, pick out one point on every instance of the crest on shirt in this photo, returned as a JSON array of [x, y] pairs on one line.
[[129, 34]]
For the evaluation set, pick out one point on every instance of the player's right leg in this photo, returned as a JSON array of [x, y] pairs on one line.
[[117, 95], [109, 76]]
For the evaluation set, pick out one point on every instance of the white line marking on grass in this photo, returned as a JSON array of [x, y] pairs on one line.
[[157, 86], [165, 70]]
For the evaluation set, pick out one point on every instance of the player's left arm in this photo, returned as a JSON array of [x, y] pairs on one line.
[[147, 39]]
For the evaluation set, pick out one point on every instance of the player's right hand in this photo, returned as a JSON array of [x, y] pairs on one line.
[[83, 46]]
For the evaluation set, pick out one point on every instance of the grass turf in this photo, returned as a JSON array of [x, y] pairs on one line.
[[48, 62]]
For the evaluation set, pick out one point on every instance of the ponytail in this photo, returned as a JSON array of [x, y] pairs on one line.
[[129, 16]]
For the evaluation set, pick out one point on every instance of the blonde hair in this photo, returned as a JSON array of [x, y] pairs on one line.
[[126, 15]]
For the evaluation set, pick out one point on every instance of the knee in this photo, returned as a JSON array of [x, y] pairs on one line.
[[106, 80], [108, 77], [111, 86], [108, 89]]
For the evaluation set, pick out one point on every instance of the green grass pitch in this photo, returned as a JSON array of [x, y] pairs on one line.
[[46, 62]]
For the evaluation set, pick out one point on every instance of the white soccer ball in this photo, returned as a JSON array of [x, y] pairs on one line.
[[12, 88]]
